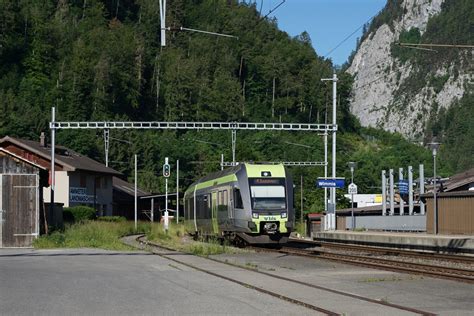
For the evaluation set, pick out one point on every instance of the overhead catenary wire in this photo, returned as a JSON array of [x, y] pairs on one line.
[[411, 45], [175, 29], [436, 45], [274, 9]]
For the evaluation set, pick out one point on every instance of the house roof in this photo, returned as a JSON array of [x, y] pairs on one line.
[[448, 194], [21, 158], [459, 180], [67, 158], [126, 187]]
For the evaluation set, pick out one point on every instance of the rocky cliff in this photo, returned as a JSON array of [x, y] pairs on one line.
[[401, 89]]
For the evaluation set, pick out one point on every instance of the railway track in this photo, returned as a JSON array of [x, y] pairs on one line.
[[178, 257], [366, 258], [465, 259]]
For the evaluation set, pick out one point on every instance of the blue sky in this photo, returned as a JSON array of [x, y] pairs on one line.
[[328, 22]]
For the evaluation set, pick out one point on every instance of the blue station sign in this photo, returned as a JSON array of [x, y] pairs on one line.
[[403, 186], [330, 183]]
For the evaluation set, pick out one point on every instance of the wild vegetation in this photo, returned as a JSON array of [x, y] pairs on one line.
[[90, 234], [107, 235], [102, 60]]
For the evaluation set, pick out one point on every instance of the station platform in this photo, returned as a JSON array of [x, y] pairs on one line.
[[402, 240]]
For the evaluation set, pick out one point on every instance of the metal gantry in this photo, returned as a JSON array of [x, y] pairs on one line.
[[196, 126], [232, 126], [285, 163]]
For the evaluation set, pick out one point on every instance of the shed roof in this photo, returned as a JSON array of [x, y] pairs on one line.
[[67, 158], [126, 187], [459, 180]]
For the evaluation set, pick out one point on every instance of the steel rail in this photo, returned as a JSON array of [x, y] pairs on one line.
[[326, 289], [457, 274], [391, 251]]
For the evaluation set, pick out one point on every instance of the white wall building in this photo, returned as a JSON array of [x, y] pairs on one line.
[[79, 179]]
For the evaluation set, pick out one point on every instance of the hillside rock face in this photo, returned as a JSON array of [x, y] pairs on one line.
[[378, 76]]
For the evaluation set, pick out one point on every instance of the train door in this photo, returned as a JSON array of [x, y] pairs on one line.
[[214, 204]]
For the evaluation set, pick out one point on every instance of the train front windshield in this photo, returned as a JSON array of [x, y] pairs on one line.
[[268, 194]]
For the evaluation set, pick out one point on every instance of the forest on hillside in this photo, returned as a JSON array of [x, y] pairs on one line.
[[102, 60]]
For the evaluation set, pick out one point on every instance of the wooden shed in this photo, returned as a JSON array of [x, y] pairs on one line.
[[455, 212], [19, 200]]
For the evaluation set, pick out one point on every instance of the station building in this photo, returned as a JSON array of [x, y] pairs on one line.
[[79, 180]]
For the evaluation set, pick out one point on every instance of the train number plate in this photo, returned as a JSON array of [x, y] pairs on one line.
[[269, 218]]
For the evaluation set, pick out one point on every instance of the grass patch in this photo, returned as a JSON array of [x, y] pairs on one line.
[[91, 234], [177, 238], [370, 280], [300, 228], [107, 234]]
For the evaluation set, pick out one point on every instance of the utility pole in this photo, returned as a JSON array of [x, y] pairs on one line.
[[392, 195], [384, 192], [410, 190], [136, 206], [163, 22], [422, 188], [402, 203], [234, 140], [301, 216], [332, 210], [53, 175], [326, 170], [177, 191], [106, 145]]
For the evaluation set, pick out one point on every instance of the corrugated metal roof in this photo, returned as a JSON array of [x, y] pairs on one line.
[[65, 157]]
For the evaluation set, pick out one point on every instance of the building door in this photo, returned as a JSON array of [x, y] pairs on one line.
[[19, 209]]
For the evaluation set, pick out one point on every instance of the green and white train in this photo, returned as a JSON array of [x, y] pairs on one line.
[[248, 202]]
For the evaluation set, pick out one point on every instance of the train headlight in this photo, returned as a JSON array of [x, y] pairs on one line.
[[283, 215], [254, 215]]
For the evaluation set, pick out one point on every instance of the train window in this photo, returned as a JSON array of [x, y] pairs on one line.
[[225, 198], [238, 199], [268, 197]]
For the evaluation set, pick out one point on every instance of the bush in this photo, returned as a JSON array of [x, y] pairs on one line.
[[115, 219], [77, 214]]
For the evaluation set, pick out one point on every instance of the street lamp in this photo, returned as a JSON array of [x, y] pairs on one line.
[[434, 147], [352, 166]]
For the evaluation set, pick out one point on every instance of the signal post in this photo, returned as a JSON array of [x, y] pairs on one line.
[[166, 174]]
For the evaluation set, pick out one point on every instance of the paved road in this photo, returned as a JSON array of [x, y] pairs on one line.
[[87, 281]]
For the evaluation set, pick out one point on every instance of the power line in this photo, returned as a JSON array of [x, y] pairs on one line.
[[274, 9], [350, 35]]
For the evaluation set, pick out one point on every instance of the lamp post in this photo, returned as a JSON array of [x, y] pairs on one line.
[[434, 147], [352, 166]]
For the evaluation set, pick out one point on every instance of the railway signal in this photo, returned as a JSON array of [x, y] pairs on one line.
[[166, 170]]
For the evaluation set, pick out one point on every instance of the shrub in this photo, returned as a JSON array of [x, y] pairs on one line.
[[78, 214]]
